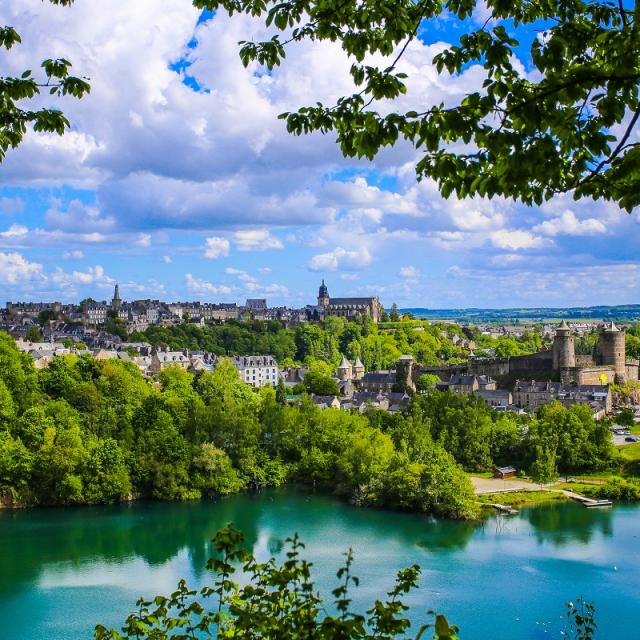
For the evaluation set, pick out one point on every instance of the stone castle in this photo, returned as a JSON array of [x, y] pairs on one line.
[[608, 365], [560, 363]]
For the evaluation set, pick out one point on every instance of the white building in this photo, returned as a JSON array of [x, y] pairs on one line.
[[258, 371], [97, 313]]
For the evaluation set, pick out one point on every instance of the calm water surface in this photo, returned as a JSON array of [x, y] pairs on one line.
[[64, 570]]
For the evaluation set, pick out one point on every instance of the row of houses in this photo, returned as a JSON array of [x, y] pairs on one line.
[[529, 395], [363, 401], [256, 371]]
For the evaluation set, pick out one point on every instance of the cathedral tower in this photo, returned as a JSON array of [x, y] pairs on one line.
[[323, 295]]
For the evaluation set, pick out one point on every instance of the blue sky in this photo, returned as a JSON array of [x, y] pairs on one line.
[[178, 181]]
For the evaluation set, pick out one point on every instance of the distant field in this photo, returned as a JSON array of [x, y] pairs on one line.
[[623, 313]]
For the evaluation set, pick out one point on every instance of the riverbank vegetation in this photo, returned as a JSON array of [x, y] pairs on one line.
[[90, 431]]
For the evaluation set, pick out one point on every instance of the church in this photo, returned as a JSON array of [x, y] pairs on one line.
[[348, 308]]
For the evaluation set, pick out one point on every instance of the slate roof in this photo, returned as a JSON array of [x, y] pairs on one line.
[[349, 301]]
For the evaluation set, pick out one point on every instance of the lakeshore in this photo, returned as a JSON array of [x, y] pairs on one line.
[[96, 561]]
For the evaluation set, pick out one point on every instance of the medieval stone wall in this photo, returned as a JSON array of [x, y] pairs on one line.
[[593, 375]]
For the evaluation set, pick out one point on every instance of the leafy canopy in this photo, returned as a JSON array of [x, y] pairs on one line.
[[14, 119], [567, 123]]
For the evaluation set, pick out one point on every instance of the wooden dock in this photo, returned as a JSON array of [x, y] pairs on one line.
[[503, 508], [590, 503]]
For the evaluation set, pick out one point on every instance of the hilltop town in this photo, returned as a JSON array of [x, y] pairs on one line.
[[515, 382]]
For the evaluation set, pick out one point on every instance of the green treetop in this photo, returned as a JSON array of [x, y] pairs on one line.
[[56, 79], [562, 122]]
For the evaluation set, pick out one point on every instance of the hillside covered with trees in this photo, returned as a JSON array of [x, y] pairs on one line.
[[89, 431], [378, 346]]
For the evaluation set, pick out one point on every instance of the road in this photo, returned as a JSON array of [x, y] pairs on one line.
[[495, 485]]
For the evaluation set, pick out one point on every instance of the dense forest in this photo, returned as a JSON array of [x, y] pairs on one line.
[[89, 431]]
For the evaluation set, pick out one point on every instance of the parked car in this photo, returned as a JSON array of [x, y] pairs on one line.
[[631, 439]]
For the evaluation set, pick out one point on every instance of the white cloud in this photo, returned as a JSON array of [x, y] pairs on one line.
[[199, 286], [409, 273], [568, 224], [143, 240], [349, 277], [240, 274], [75, 254], [340, 258], [216, 247], [15, 231], [264, 269], [256, 240], [167, 259], [516, 239], [16, 270], [79, 218], [95, 276]]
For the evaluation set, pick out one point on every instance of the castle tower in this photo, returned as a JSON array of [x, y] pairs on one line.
[[116, 302], [404, 373], [345, 371], [564, 352], [612, 350], [323, 295], [358, 369]]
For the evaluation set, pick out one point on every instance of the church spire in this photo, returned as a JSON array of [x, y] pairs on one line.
[[117, 301]]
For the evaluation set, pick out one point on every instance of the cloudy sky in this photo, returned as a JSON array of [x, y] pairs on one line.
[[178, 181]]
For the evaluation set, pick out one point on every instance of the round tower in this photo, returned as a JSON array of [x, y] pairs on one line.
[[358, 369], [564, 352], [612, 350], [404, 373], [345, 371]]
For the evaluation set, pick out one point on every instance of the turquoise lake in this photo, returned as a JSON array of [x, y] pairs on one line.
[[64, 570]]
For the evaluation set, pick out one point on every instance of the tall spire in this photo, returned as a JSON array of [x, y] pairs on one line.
[[117, 301], [323, 295]]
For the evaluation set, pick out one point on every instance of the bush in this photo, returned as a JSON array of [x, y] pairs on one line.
[[279, 602], [617, 488]]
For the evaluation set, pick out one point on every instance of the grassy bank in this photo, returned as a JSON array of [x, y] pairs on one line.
[[522, 498]]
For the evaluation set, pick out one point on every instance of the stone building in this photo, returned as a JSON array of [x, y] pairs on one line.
[[348, 308], [531, 395], [609, 364], [161, 359], [347, 371], [468, 383], [561, 363]]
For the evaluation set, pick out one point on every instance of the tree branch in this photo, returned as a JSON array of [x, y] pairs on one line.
[[621, 145]]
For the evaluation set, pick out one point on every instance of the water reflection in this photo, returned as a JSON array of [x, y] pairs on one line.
[[157, 532], [563, 524]]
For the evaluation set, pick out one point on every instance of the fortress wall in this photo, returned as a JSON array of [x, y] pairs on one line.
[[633, 370], [444, 372], [585, 361], [494, 367], [542, 361], [592, 375]]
